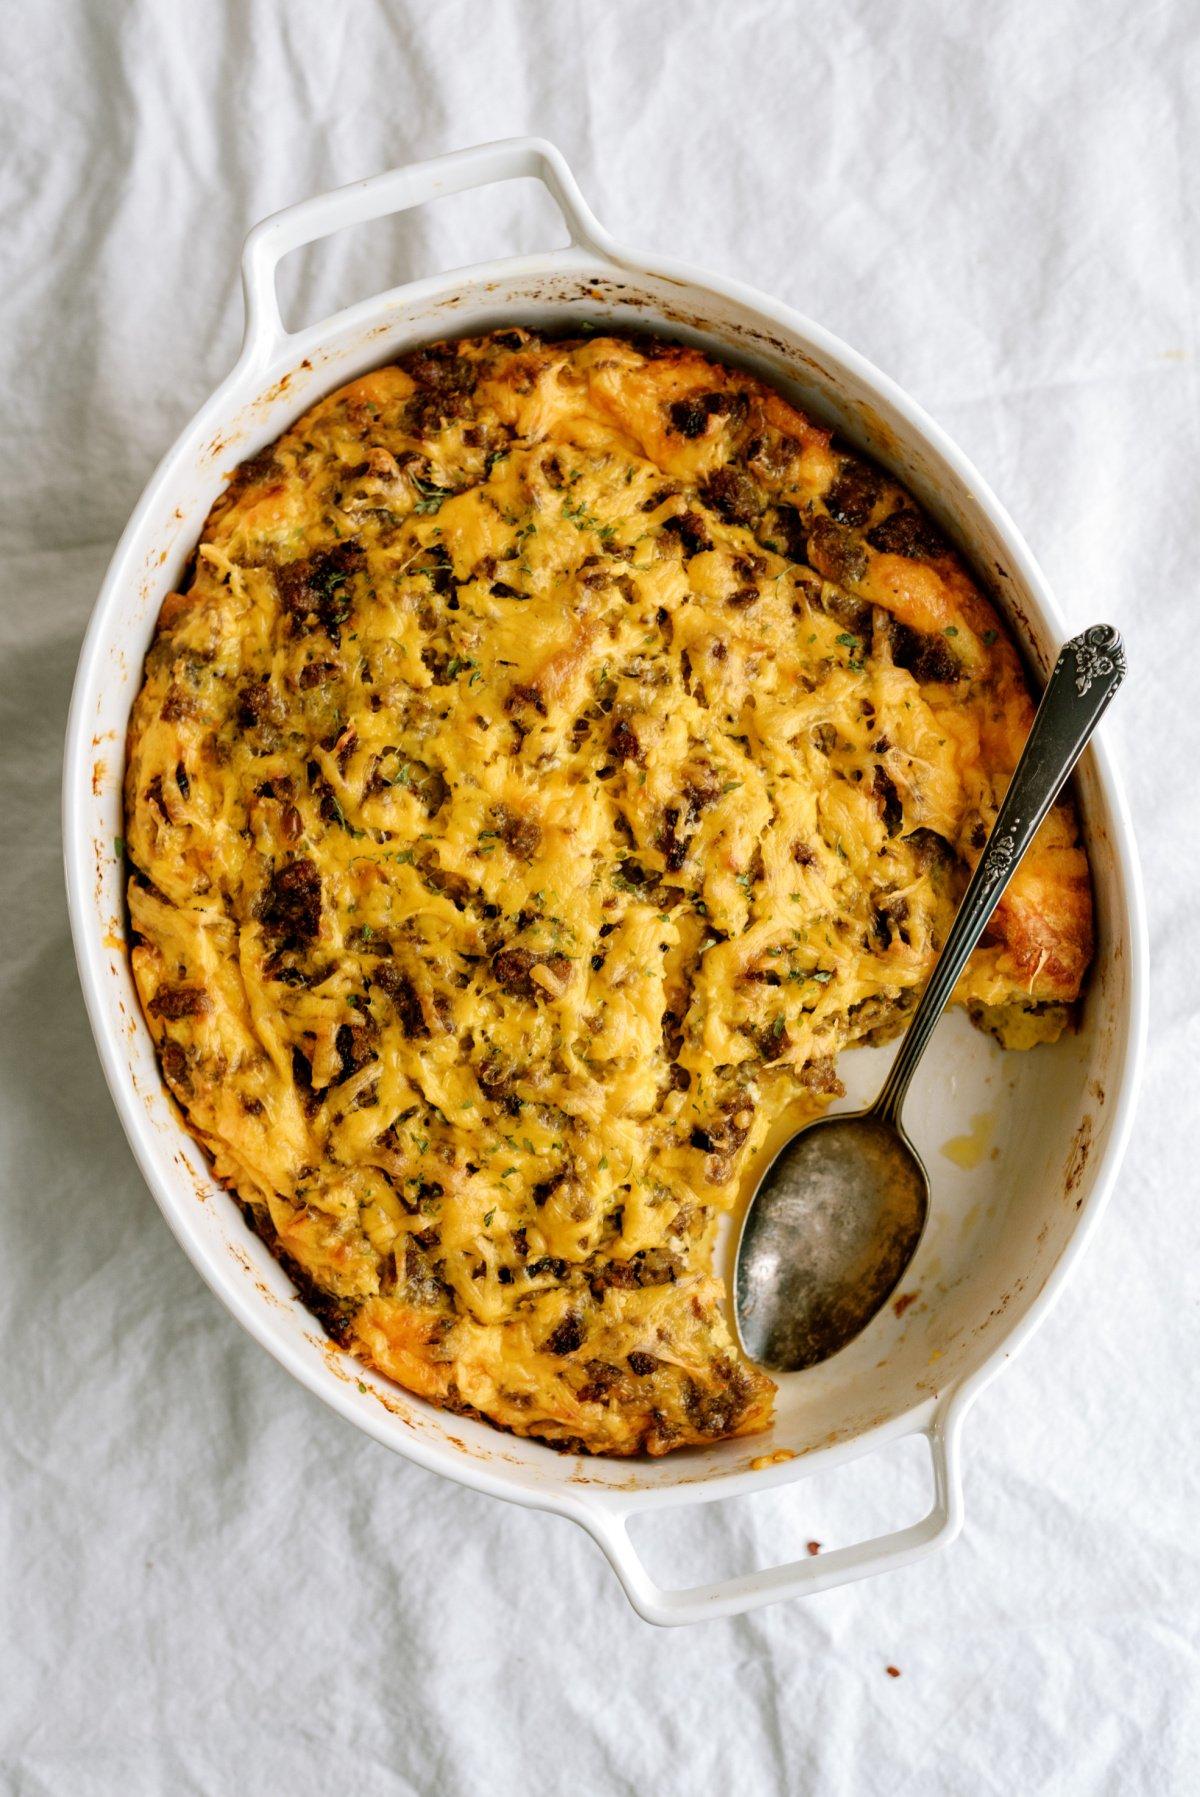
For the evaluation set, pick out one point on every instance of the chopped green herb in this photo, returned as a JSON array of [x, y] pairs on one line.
[[429, 496], [119, 847], [341, 818], [487, 1221]]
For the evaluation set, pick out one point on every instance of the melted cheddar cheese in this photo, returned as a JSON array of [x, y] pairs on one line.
[[560, 752]]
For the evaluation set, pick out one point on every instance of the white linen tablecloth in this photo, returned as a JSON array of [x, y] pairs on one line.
[[211, 1583]]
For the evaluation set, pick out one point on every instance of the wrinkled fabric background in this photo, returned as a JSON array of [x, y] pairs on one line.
[[211, 1583]]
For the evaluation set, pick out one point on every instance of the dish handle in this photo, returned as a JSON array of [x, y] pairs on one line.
[[397, 191], [608, 1524]]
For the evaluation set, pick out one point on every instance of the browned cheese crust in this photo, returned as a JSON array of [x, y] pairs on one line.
[[560, 752]]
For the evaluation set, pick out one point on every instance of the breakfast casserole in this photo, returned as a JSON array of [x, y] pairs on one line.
[[559, 751]]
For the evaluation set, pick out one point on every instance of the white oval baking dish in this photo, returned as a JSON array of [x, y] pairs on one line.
[[1002, 1238]]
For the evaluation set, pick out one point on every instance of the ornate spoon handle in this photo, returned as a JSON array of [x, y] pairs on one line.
[[1087, 673]]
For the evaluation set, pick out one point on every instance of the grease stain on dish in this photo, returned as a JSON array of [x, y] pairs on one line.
[[969, 1150]]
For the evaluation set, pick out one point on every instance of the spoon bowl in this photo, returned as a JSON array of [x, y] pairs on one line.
[[848, 1200]]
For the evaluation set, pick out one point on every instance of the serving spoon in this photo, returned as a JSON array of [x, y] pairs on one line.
[[837, 1216]]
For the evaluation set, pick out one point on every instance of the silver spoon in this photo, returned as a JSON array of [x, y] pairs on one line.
[[837, 1215]]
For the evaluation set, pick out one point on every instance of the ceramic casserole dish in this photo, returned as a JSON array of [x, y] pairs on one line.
[[1003, 1235]]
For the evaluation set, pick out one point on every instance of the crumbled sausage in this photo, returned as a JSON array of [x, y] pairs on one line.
[[851, 498], [926, 657], [933, 853], [551, 1264], [717, 1411], [679, 821], [255, 703], [690, 416], [445, 381], [400, 989], [909, 534], [820, 1075], [316, 673], [302, 1080], [888, 800], [173, 1002], [495, 1082], [291, 910], [724, 1136], [732, 494], [689, 528], [521, 695], [176, 705], [674, 846], [790, 525], [834, 552], [654, 1266], [175, 1066], [255, 470], [659, 497], [546, 1188], [513, 969], [315, 592], [353, 1044], [568, 1336], [623, 744], [522, 835]]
